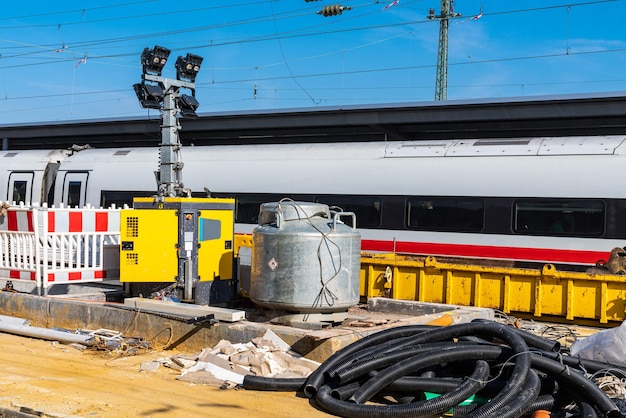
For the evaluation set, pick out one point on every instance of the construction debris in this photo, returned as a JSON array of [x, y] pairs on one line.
[[226, 364]]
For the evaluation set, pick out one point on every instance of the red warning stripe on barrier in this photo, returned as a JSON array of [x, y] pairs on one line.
[[78, 221], [74, 276], [22, 275], [75, 222], [12, 221], [20, 221], [102, 221], [51, 222]]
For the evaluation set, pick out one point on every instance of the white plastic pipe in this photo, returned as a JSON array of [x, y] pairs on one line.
[[20, 326]]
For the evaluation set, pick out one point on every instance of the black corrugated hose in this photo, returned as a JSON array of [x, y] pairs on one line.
[[477, 370]]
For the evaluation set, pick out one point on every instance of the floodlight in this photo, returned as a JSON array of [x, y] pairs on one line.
[[153, 60], [187, 67], [187, 106], [150, 96]]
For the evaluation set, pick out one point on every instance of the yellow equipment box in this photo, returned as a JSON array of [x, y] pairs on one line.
[[168, 239]]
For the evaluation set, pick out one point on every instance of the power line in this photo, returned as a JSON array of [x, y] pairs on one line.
[[112, 6], [266, 37], [414, 67], [117, 18], [38, 59], [353, 72]]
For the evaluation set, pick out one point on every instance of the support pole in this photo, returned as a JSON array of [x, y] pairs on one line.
[[170, 167], [441, 82]]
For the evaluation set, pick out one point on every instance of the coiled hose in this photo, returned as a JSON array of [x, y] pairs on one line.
[[462, 363]]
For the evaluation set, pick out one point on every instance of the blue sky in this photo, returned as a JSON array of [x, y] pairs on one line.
[[74, 60]]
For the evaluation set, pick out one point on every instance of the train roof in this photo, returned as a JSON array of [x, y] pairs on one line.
[[564, 115], [33, 156]]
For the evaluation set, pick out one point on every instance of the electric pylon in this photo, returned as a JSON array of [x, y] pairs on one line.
[[441, 83]]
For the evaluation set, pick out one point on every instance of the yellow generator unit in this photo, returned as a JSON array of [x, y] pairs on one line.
[[184, 241]]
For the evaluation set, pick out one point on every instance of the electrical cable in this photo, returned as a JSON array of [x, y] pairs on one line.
[[324, 294], [352, 380]]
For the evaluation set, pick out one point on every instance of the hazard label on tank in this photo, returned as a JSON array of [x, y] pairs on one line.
[[273, 264]]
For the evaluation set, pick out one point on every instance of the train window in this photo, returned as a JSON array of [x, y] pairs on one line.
[[75, 188], [247, 206], [247, 209], [73, 193], [118, 198], [19, 191], [366, 208], [455, 214], [559, 217], [20, 187]]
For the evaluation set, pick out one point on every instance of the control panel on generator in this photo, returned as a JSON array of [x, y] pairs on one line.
[[179, 240]]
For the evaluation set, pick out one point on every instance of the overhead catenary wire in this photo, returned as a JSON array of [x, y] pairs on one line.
[[272, 36], [117, 18], [291, 33], [98, 59]]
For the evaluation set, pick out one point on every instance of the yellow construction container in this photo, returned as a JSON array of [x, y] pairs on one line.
[[541, 293], [544, 292]]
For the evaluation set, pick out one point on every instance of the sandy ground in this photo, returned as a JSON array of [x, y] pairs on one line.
[[61, 381]]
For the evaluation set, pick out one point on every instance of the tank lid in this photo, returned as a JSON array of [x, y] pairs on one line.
[[291, 210]]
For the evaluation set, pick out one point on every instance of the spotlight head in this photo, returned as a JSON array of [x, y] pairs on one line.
[[187, 105], [150, 96], [153, 60], [187, 67]]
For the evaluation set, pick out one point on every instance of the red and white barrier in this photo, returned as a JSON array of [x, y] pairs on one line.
[[17, 220], [18, 255], [59, 245]]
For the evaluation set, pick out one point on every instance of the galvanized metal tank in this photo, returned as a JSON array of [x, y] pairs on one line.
[[305, 259]]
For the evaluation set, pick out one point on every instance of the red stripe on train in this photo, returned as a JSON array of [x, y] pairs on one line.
[[487, 251]]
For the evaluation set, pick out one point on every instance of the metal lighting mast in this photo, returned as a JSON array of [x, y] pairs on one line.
[[447, 11], [180, 243], [157, 92]]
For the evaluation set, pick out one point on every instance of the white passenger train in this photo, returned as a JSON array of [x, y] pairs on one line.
[[548, 200]]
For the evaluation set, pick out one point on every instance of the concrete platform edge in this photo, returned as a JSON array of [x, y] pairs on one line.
[[164, 332]]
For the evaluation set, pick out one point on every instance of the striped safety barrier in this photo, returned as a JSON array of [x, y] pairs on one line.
[[59, 245], [94, 220], [17, 220], [18, 256]]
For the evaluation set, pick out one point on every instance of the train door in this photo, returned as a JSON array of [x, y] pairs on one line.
[[75, 189], [20, 187]]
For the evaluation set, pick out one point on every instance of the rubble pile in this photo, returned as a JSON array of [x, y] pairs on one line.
[[226, 364]]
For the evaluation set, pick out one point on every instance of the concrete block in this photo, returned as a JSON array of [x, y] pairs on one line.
[[173, 308], [429, 311]]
